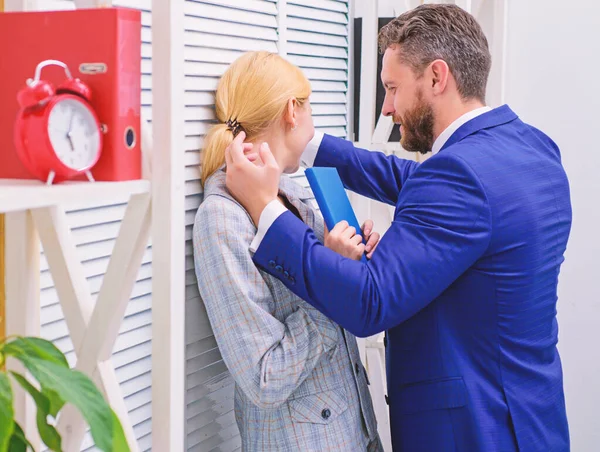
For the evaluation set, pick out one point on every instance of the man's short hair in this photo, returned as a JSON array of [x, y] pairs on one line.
[[445, 32]]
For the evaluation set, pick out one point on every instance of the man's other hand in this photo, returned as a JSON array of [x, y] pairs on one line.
[[253, 186]]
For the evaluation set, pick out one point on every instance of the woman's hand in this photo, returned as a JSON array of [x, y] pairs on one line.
[[343, 240], [372, 238]]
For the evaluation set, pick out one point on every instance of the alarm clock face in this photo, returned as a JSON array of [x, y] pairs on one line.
[[74, 133]]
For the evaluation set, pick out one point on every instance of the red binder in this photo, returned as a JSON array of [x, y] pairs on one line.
[[102, 47]]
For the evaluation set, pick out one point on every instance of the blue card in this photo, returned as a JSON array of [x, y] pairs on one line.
[[332, 198]]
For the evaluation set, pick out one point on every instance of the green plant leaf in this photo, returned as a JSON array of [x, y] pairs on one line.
[[76, 388], [119, 441], [56, 403], [47, 432], [6, 412], [40, 348], [18, 441], [37, 348]]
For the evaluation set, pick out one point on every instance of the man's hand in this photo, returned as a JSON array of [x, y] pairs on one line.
[[253, 186], [343, 240]]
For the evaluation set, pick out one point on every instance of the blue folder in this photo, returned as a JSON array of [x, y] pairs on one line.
[[332, 198]]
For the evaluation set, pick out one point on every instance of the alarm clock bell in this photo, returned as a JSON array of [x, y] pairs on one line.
[[57, 132]]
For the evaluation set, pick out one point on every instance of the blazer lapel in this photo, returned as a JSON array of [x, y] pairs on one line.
[[495, 117]]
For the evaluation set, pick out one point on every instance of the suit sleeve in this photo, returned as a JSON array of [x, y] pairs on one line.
[[368, 173], [267, 358], [443, 225]]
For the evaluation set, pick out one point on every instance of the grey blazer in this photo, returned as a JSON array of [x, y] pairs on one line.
[[300, 384]]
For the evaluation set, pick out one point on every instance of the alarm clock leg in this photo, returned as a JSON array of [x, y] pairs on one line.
[[50, 179], [88, 173]]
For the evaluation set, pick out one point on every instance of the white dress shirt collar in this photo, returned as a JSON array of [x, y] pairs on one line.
[[449, 131]]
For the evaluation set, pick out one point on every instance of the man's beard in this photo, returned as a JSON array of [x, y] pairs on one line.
[[417, 127]]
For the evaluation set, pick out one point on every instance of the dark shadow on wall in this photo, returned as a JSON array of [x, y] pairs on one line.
[[380, 93]]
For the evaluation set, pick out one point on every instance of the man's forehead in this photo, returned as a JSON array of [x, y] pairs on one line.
[[390, 67]]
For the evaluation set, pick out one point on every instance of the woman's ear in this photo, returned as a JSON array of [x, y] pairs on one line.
[[290, 112]]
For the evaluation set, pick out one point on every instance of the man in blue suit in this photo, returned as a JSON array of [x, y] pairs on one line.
[[465, 279]]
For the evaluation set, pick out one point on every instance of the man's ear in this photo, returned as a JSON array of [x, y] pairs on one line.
[[290, 112], [439, 76]]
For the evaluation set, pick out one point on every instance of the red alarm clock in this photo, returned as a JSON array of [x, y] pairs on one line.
[[57, 133]]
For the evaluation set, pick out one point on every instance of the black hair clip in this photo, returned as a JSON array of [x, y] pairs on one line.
[[234, 126]]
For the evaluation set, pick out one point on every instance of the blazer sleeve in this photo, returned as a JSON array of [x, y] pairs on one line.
[[368, 173], [267, 358], [442, 226]]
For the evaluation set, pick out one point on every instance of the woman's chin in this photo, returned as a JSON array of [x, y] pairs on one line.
[[291, 169]]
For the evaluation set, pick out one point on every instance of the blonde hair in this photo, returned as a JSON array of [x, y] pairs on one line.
[[254, 91]]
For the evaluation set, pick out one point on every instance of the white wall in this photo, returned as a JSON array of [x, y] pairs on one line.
[[552, 73]]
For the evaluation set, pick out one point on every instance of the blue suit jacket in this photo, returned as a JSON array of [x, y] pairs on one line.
[[464, 281]]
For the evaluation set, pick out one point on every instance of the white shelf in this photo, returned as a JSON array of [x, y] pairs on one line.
[[18, 195]]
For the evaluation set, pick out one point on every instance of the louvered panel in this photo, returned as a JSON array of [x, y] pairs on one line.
[[219, 27], [217, 11], [229, 42], [94, 230], [211, 428], [196, 321], [308, 24], [329, 109], [95, 267], [318, 63], [316, 38], [318, 43], [195, 113], [57, 331], [322, 85], [49, 296], [53, 312], [141, 430], [217, 33], [131, 354], [192, 157], [296, 9], [222, 397], [228, 431], [192, 188], [296, 48], [327, 5], [90, 251], [326, 74], [211, 55]]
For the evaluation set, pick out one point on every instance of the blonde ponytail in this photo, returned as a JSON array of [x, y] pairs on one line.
[[217, 140], [254, 91]]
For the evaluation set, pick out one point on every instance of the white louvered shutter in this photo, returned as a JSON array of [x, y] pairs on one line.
[[216, 33], [317, 41], [94, 229]]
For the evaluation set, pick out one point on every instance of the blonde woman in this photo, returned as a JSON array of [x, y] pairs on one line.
[[300, 384]]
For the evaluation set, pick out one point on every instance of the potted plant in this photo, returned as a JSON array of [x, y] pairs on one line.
[[57, 385]]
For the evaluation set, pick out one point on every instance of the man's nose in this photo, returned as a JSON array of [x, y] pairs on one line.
[[388, 107], [387, 110]]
